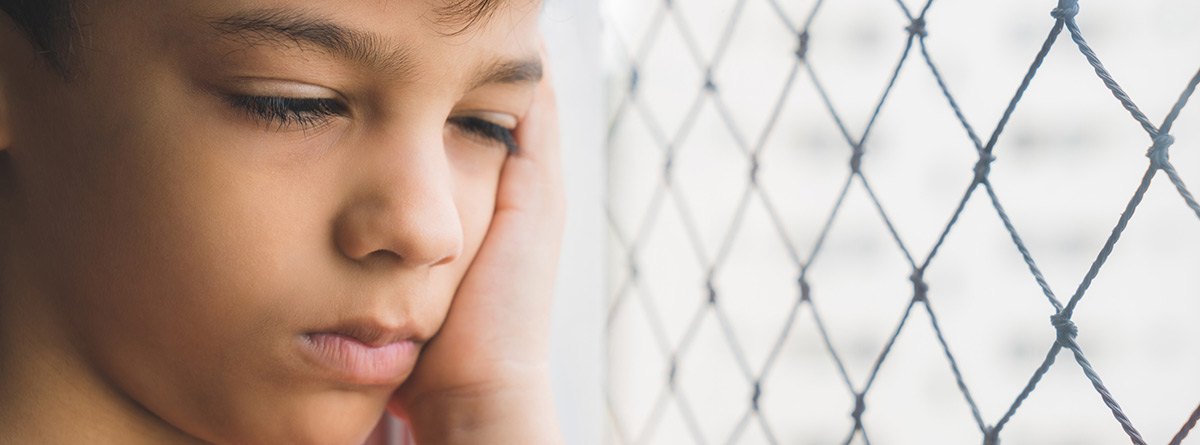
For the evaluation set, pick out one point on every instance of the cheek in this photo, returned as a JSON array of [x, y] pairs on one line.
[[170, 249], [180, 244], [476, 172], [159, 214]]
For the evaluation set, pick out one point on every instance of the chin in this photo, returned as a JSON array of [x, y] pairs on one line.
[[338, 418], [333, 418]]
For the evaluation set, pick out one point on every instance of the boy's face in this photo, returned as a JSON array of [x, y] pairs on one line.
[[225, 178]]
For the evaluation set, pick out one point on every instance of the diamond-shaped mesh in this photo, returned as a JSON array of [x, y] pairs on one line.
[[715, 246]]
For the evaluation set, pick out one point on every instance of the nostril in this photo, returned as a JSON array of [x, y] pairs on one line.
[[453, 248], [412, 255], [446, 260]]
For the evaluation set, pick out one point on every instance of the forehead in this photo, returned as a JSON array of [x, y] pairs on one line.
[[455, 22], [385, 35]]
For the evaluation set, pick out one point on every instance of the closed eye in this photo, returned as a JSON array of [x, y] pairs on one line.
[[486, 130], [287, 112]]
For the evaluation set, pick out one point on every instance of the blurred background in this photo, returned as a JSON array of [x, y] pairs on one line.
[[680, 297]]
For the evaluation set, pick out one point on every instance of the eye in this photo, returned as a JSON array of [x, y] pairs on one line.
[[287, 112], [489, 131]]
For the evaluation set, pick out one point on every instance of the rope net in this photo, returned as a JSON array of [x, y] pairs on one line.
[[797, 256]]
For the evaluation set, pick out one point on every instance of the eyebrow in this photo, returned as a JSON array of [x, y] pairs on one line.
[[510, 72], [290, 28]]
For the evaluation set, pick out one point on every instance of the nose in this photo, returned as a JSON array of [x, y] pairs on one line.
[[402, 207]]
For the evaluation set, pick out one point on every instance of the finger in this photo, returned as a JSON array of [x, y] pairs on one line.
[[539, 129], [532, 177]]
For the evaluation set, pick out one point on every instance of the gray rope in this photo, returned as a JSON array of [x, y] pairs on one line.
[[1187, 426]]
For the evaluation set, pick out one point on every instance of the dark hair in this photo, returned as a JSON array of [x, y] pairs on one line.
[[50, 25], [466, 13]]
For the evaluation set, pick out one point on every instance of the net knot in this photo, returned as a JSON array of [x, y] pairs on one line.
[[672, 371], [802, 50], [668, 168], [917, 27], [992, 437], [856, 158], [712, 294], [633, 80], [860, 406], [1158, 153], [983, 167], [708, 80], [1065, 327], [757, 394], [920, 288], [754, 170], [1066, 9], [805, 291]]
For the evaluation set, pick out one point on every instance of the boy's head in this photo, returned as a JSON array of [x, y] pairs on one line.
[[191, 190]]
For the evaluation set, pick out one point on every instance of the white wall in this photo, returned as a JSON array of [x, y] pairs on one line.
[[572, 29]]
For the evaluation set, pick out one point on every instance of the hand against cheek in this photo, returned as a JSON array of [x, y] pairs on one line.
[[488, 364]]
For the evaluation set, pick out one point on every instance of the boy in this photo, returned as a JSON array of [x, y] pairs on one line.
[[240, 221]]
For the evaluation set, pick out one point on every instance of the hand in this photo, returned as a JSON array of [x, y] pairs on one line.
[[487, 368]]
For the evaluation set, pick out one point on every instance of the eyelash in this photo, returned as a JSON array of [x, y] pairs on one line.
[[281, 112], [311, 113], [486, 129]]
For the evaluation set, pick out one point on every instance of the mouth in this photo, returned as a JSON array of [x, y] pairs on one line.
[[361, 353]]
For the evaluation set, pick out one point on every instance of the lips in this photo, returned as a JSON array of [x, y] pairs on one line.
[[361, 354]]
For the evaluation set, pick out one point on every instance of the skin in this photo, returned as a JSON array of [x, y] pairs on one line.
[[161, 250]]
